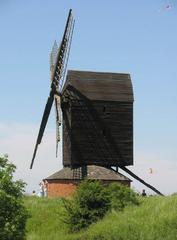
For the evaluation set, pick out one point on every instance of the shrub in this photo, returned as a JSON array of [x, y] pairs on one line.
[[13, 214], [89, 204], [121, 196]]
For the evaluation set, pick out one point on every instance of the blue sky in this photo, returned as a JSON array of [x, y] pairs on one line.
[[136, 37]]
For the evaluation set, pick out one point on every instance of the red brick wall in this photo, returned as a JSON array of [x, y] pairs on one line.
[[65, 188], [59, 188]]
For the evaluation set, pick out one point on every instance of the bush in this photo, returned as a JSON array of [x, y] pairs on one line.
[[121, 196], [89, 204], [92, 200], [13, 214]]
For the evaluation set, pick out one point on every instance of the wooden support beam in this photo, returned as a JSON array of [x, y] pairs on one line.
[[139, 179]]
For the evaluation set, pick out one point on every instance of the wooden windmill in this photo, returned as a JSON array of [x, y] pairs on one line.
[[97, 114]]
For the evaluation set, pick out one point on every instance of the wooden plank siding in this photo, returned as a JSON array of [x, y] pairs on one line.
[[105, 140], [101, 86]]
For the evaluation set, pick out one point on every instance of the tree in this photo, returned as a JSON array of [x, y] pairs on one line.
[[92, 201], [13, 215], [89, 204], [121, 196]]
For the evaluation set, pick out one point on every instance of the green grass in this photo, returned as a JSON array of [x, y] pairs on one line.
[[154, 219]]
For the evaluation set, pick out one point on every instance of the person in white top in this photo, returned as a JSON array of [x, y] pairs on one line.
[[45, 188], [41, 189]]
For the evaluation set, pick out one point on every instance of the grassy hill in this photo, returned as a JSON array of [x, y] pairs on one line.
[[154, 219]]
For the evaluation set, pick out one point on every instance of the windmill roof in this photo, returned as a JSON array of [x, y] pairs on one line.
[[104, 86], [93, 172]]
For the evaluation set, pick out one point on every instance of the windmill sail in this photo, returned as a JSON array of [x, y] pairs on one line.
[[43, 124], [65, 44], [62, 52], [58, 120], [53, 56], [58, 66], [66, 57]]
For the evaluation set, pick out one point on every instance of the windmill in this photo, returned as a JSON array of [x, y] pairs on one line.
[[97, 110]]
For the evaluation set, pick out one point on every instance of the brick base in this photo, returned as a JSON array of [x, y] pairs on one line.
[[66, 188], [61, 188]]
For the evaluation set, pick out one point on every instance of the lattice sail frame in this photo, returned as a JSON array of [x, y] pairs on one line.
[[59, 72], [58, 66]]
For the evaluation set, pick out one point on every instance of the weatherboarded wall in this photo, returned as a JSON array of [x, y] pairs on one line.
[[97, 119]]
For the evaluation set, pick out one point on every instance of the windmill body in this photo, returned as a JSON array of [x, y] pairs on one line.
[[97, 119]]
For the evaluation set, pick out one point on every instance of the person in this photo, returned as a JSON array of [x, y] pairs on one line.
[[41, 189], [45, 188], [143, 193]]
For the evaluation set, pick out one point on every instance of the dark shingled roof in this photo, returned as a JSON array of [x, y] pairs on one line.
[[102, 85], [93, 172]]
